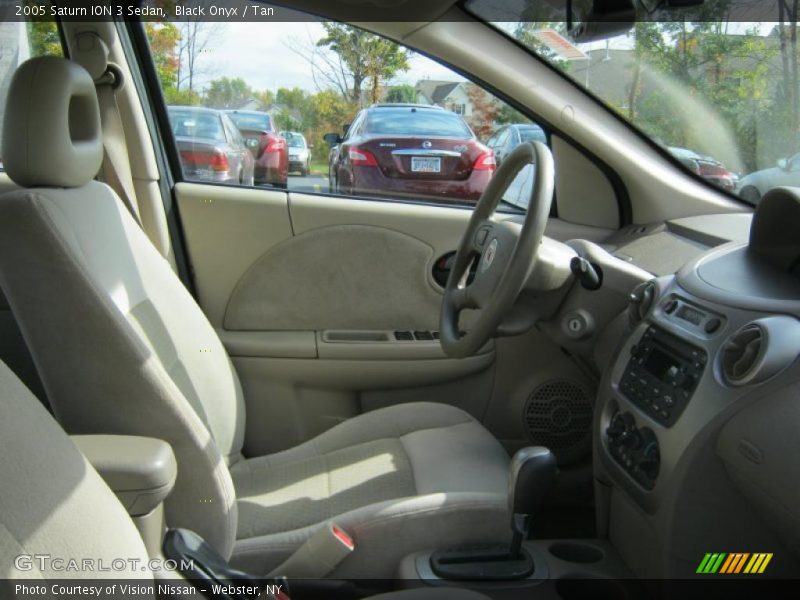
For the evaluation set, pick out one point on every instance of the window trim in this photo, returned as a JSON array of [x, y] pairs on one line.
[[142, 48], [135, 47]]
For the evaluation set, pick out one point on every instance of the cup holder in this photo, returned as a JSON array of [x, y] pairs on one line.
[[580, 587], [574, 552]]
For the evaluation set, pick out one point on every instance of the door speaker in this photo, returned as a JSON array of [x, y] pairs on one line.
[[558, 414]]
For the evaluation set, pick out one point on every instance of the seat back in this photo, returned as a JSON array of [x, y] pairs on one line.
[[121, 345], [55, 507]]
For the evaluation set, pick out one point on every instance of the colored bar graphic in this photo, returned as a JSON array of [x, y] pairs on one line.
[[727, 564], [734, 563], [715, 567], [703, 563], [767, 558]]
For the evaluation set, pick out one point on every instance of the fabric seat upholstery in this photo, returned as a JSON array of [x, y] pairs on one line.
[[58, 506], [123, 348]]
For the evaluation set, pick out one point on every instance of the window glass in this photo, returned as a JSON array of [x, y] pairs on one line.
[[427, 122], [251, 120], [532, 134], [19, 42], [715, 85], [326, 108], [188, 123]]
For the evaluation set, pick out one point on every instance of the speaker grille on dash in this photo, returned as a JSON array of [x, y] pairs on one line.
[[558, 414]]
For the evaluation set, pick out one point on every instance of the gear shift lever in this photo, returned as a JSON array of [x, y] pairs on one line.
[[533, 472]]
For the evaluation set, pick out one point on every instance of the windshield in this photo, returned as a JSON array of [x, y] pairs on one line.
[[416, 122], [704, 84], [251, 121]]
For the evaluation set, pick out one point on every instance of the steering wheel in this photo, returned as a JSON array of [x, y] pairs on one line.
[[507, 253]]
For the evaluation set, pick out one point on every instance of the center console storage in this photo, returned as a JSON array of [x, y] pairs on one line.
[[563, 570]]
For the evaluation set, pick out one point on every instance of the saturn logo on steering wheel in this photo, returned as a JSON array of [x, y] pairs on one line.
[[488, 256]]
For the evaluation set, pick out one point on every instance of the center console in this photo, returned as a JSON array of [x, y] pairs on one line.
[[662, 375]]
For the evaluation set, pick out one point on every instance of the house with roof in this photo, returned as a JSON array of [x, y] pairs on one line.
[[451, 95]]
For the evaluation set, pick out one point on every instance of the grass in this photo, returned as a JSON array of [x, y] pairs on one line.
[[319, 168]]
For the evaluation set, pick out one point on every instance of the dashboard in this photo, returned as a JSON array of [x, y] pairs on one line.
[[698, 412]]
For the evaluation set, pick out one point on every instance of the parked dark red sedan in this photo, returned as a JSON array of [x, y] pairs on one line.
[[413, 150], [269, 149]]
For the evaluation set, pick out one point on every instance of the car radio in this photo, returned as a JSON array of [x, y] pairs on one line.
[[662, 374]]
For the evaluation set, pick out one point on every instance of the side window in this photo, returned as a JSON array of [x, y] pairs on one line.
[[327, 106], [20, 41]]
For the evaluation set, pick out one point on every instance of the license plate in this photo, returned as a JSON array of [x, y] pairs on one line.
[[421, 164]]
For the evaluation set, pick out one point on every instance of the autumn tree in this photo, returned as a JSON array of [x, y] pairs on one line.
[[485, 110]]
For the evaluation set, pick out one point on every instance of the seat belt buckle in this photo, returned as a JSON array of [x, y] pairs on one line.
[[319, 555]]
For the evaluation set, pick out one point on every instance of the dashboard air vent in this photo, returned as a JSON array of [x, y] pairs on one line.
[[741, 354]]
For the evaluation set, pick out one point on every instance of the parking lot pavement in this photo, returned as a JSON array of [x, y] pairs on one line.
[[311, 183]]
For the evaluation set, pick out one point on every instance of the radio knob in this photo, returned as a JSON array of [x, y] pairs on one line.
[[651, 455], [687, 381], [631, 439]]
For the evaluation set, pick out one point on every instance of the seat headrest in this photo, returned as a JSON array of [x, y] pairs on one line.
[[51, 129]]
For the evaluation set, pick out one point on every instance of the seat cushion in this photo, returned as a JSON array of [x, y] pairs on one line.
[[397, 467]]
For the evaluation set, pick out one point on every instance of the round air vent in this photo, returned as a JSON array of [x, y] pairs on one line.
[[742, 353], [558, 415]]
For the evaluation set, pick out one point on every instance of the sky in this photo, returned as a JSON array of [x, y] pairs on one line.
[[259, 53]]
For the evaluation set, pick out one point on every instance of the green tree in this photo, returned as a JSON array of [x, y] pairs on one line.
[[265, 99], [723, 77], [326, 111], [44, 39], [403, 93], [361, 56], [227, 92], [292, 99]]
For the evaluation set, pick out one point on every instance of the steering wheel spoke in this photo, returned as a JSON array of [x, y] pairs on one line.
[[462, 298], [505, 253]]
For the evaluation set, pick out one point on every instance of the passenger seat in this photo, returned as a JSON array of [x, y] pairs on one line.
[[54, 503]]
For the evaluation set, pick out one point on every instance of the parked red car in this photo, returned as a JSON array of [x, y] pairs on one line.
[[707, 167], [413, 150], [269, 149]]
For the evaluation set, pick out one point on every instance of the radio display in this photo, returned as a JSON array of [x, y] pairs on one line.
[[692, 315], [659, 364]]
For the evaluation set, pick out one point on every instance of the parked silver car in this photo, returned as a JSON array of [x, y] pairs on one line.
[[785, 172], [211, 147], [299, 152]]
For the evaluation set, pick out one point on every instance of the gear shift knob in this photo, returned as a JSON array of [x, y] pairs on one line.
[[533, 472]]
